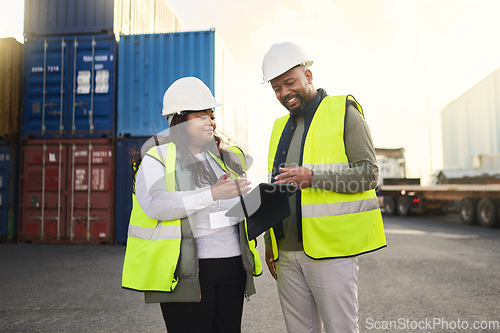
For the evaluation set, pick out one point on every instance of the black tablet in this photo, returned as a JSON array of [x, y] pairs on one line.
[[264, 206]]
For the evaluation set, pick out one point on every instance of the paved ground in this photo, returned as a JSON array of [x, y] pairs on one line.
[[434, 269]]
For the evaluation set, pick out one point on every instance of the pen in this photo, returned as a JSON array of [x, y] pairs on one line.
[[241, 199]]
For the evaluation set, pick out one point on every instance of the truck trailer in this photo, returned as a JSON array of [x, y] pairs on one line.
[[477, 203]]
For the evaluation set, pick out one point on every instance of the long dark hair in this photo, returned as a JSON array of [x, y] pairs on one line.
[[179, 136]]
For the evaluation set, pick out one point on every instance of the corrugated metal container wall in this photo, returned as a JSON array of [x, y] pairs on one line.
[[166, 20], [67, 191], [148, 65], [72, 17], [69, 87], [48, 17], [124, 185], [11, 70], [471, 124]]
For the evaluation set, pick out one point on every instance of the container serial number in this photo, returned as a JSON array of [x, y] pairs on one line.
[[39, 69]]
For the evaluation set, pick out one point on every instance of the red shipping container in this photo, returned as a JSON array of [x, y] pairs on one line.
[[67, 191]]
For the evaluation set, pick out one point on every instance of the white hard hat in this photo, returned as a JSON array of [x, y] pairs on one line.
[[187, 94], [281, 57]]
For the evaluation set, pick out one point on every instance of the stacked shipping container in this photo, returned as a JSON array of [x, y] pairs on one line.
[[149, 64], [68, 105], [10, 111], [67, 187], [69, 87], [69, 114]]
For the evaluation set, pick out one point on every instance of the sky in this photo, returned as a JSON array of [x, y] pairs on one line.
[[403, 60]]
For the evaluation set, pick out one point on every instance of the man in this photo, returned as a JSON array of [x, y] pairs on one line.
[[324, 148]]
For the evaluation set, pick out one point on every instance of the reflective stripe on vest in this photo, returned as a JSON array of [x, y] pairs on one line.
[[160, 232], [340, 208], [333, 224], [327, 166], [153, 247]]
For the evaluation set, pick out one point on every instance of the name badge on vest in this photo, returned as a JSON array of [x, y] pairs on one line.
[[219, 220]]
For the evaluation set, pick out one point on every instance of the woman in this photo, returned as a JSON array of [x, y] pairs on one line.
[[182, 250]]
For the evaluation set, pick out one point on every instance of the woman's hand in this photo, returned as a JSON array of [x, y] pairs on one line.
[[228, 189]]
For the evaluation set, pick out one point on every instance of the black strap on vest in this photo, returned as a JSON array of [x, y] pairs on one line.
[[348, 103]]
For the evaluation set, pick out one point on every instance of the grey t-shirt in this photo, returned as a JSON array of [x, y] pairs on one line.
[[361, 175]]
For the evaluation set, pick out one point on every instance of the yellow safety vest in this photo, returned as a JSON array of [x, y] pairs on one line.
[[334, 225], [153, 247]]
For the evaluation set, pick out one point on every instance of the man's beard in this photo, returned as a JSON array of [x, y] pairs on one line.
[[299, 110]]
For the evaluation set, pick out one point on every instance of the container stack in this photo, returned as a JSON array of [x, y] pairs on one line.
[[94, 75], [10, 112], [68, 125], [148, 65]]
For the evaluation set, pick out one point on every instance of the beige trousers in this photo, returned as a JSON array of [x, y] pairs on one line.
[[313, 292]]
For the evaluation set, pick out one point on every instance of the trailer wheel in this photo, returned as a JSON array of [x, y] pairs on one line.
[[468, 211], [389, 205], [487, 213], [404, 205]]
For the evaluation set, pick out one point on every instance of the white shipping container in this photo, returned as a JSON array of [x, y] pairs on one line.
[[134, 17], [471, 124], [232, 119]]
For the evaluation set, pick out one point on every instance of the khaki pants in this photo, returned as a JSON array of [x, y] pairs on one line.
[[312, 291]]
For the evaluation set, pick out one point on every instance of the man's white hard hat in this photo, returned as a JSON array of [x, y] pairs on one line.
[[187, 94], [281, 57]]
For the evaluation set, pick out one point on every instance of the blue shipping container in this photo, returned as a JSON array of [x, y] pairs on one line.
[[69, 87], [49, 17], [8, 190], [124, 185], [148, 65]]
